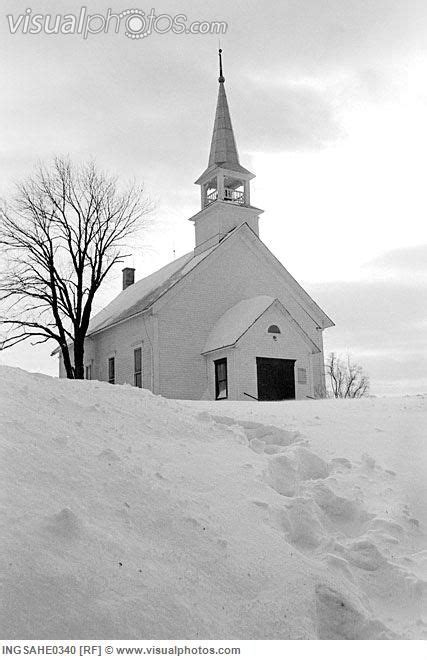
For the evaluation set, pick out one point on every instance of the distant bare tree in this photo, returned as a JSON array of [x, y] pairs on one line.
[[63, 233], [347, 379]]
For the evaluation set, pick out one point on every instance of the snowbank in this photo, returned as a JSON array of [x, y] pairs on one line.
[[130, 516]]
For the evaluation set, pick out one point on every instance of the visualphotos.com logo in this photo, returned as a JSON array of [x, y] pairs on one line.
[[133, 23]]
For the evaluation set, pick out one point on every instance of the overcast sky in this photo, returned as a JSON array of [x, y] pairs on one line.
[[328, 100]]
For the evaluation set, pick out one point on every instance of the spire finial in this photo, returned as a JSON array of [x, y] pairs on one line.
[[221, 78]]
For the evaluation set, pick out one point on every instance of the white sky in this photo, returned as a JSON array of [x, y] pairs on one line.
[[329, 105]]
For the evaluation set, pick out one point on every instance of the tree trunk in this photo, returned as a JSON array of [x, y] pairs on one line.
[[67, 362], [79, 371]]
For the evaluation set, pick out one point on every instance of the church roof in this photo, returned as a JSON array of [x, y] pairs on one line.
[[140, 296], [235, 322]]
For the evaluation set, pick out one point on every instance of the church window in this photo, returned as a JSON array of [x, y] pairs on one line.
[[137, 368], [88, 375], [221, 384], [111, 370], [274, 330]]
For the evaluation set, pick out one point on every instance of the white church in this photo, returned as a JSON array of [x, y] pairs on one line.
[[225, 321]]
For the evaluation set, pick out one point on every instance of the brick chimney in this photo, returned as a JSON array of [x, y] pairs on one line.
[[128, 277]]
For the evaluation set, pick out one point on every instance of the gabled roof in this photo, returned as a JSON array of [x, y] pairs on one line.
[[139, 297], [317, 313], [237, 320]]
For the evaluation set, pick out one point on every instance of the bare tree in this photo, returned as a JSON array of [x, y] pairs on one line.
[[347, 379], [63, 233]]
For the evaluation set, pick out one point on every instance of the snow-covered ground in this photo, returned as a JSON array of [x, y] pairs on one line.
[[128, 516]]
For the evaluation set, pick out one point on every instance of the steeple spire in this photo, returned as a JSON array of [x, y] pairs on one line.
[[223, 151], [221, 78]]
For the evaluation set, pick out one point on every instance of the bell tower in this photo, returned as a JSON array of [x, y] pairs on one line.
[[225, 184]]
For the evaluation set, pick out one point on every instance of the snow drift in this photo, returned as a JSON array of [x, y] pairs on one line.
[[126, 515]]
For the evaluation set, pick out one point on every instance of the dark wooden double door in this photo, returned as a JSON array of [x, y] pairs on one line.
[[276, 379]]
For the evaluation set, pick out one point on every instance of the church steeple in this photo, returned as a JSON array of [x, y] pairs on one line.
[[225, 183], [223, 146]]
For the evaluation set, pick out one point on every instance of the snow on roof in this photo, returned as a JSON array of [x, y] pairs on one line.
[[235, 321], [141, 295]]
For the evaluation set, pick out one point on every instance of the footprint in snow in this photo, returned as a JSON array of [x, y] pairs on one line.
[[339, 618], [109, 455], [64, 524]]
